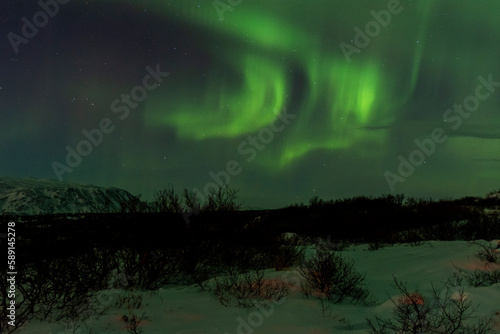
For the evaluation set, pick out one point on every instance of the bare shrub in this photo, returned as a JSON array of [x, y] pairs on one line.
[[287, 254], [134, 205], [201, 275], [486, 252], [133, 321], [222, 199], [332, 275], [243, 290], [443, 312], [148, 269], [57, 290], [132, 301], [475, 278], [166, 200], [24, 306], [68, 289], [191, 201]]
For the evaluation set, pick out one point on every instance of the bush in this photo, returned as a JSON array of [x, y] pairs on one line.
[[334, 277], [132, 300], [475, 278], [24, 306], [487, 252], [287, 256], [223, 199], [167, 200], [57, 290], [134, 205], [149, 269], [243, 290], [443, 312]]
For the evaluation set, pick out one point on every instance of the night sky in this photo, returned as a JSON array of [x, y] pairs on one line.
[[284, 99]]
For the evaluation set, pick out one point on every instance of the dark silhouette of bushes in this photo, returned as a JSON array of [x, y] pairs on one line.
[[147, 269], [334, 277], [287, 255], [167, 200], [57, 289], [223, 199], [24, 306]]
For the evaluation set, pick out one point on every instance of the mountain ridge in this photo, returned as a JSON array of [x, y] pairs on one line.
[[34, 196]]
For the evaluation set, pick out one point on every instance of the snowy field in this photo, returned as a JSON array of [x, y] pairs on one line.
[[189, 310]]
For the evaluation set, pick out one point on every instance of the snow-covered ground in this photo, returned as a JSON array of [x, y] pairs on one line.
[[175, 309]]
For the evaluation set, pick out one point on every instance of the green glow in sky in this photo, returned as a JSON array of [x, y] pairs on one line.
[[266, 56], [227, 109], [346, 97], [256, 81], [230, 79]]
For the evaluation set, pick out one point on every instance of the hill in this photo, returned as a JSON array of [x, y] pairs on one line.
[[33, 196]]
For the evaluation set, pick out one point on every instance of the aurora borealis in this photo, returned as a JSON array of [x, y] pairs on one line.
[[233, 73]]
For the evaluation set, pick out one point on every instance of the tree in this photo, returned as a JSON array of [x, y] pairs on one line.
[[134, 205], [167, 200], [191, 201], [222, 199]]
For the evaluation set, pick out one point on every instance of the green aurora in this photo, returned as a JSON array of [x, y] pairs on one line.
[[234, 70], [339, 98]]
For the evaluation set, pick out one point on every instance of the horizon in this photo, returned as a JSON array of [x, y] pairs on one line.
[[241, 206]]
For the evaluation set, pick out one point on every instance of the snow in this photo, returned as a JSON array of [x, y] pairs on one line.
[[33, 196], [175, 309]]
